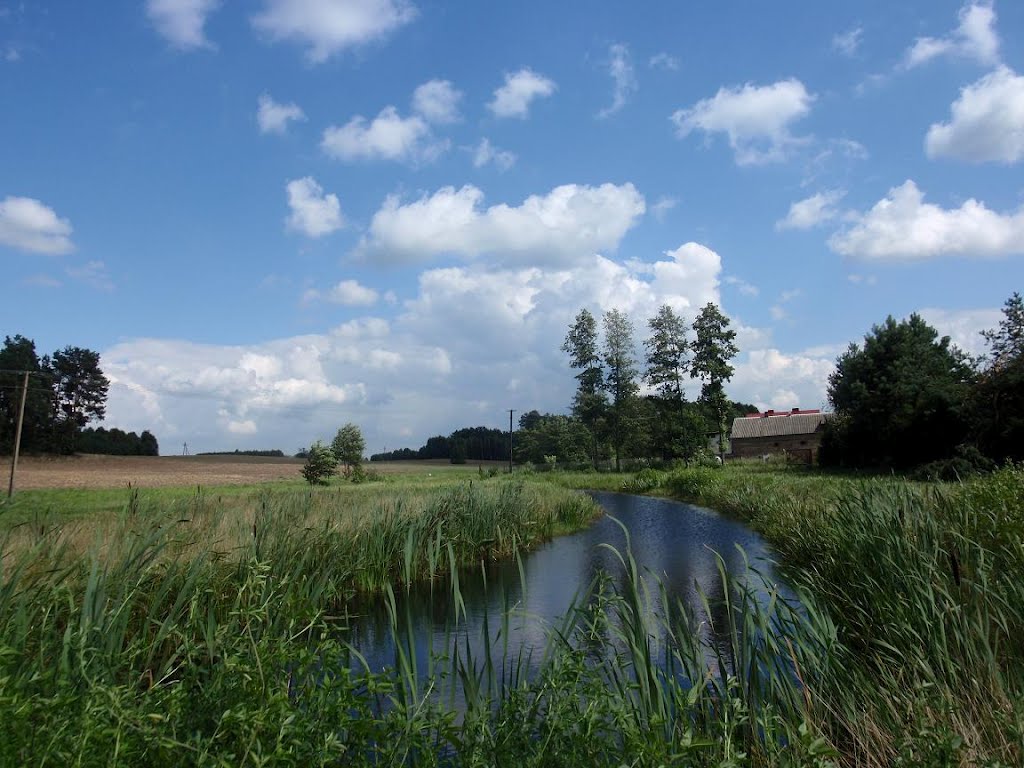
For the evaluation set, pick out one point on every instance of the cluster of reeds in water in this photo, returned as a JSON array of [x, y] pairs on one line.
[[217, 641]]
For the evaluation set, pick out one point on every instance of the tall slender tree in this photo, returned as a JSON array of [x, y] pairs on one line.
[[668, 354], [676, 429], [620, 380], [713, 348], [589, 404]]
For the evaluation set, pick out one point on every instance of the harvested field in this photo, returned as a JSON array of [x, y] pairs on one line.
[[152, 471], [90, 471]]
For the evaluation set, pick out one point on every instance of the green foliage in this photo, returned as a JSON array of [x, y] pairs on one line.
[[966, 462], [348, 446], [995, 407], [19, 354], [320, 464], [590, 404], [80, 393], [116, 442], [713, 348], [65, 392], [563, 437], [898, 399], [620, 381], [692, 483], [644, 481], [458, 451], [668, 354], [479, 444]]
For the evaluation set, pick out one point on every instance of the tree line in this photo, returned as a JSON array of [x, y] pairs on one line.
[[908, 398], [610, 419], [608, 411], [275, 453], [66, 391], [461, 446], [116, 442]]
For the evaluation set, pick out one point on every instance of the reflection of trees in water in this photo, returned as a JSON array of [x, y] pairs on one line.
[[674, 545]]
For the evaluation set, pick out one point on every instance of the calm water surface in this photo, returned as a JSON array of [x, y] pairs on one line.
[[675, 541]]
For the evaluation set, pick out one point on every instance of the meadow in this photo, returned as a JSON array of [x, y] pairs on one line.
[[207, 627]]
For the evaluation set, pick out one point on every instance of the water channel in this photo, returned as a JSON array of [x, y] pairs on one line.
[[678, 543]]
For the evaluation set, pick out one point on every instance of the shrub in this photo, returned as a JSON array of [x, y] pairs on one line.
[[692, 483], [320, 464], [966, 462]]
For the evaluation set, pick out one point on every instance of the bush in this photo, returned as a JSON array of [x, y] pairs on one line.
[[966, 462], [646, 480], [692, 483], [320, 464]]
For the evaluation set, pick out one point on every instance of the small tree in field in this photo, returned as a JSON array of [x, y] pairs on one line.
[[348, 446], [320, 464]]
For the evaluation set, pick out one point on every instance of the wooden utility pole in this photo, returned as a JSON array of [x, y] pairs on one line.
[[510, 412], [17, 433]]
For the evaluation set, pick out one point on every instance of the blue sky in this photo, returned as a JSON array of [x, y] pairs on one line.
[[275, 217]]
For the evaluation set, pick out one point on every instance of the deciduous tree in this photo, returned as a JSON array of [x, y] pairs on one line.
[[320, 464], [676, 431], [713, 348], [589, 404], [898, 398], [996, 405], [620, 381], [348, 446]]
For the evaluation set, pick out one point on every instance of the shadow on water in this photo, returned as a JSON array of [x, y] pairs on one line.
[[509, 609]]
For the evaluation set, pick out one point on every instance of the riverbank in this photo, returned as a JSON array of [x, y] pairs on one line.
[[925, 585], [191, 627]]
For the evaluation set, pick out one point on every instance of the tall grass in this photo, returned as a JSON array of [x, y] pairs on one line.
[[198, 636], [925, 584], [206, 635]]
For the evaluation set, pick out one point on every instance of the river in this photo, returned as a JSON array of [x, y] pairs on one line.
[[679, 544]]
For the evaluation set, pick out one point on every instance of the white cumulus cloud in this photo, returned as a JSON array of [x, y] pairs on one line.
[[987, 122], [181, 22], [771, 378], [902, 226], [812, 211], [567, 223], [974, 38], [437, 101], [327, 27], [389, 136], [513, 99], [273, 117], [313, 213], [26, 224], [963, 326], [756, 119]]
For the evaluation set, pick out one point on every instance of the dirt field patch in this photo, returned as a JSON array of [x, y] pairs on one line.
[[151, 471], [176, 471]]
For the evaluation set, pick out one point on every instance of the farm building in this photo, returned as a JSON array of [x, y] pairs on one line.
[[795, 433]]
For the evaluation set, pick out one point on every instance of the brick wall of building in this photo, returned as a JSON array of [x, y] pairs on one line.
[[804, 447]]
